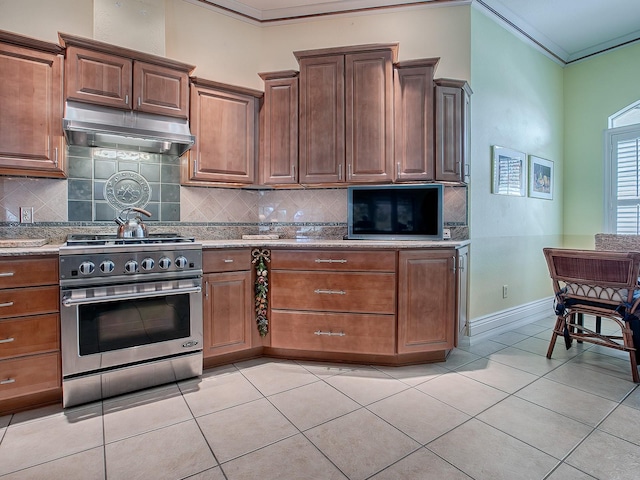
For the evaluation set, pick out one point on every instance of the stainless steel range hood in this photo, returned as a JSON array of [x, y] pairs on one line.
[[96, 126]]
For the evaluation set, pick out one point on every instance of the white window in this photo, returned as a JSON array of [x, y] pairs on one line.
[[622, 172]]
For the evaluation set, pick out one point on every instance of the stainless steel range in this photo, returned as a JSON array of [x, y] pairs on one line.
[[131, 313]]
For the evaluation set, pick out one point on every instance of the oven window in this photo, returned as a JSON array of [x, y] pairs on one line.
[[131, 323]]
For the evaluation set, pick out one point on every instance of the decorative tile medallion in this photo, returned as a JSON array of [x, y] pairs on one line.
[[127, 189]]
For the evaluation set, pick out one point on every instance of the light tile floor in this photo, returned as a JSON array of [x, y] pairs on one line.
[[494, 410]]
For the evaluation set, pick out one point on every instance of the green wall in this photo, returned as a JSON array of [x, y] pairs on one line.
[[517, 103], [594, 90]]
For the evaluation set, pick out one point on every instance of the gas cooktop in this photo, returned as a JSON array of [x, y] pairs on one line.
[[153, 238]]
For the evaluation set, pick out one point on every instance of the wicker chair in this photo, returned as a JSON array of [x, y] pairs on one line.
[[599, 283]]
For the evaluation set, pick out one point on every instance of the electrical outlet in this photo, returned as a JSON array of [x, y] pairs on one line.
[[505, 291], [446, 234], [26, 214]]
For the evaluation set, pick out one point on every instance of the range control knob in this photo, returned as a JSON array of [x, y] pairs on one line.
[[107, 266], [164, 263], [87, 268], [181, 262], [131, 266], [147, 263]]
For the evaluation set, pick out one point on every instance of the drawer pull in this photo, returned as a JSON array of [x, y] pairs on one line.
[[7, 381], [7, 340], [228, 260], [330, 260], [6, 304], [330, 292], [330, 334], [6, 274]]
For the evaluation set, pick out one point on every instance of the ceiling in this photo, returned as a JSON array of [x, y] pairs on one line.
[[567, 30]]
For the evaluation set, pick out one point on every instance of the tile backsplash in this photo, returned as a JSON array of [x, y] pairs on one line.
[[96, 176]]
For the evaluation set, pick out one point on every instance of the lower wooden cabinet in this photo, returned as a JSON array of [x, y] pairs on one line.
[[227, 301], [426, 300], [30, 370]]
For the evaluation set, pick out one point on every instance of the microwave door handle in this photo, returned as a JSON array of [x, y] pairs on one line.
[[68, 302]]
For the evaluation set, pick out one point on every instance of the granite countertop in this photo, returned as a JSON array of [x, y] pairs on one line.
[[320, 243], [18, 248]]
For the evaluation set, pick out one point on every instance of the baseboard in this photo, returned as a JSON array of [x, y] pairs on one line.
[[496, 323]]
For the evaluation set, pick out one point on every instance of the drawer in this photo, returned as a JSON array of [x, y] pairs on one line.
[[226, 260], [29, 301], [334, 260], [29, 335], [354, 292], [25, 272], [333, 332], [26, 375]]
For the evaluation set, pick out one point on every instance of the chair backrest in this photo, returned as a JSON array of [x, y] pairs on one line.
[[605, 277]]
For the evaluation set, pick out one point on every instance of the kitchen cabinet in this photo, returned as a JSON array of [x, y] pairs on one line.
[[31, 106], [426, 300], [29, 332], [224, 120], [227, 301], [333, 301], [462, 292], [346, 114], [112, 76], [453, 129], [279, 128], [414, 112]]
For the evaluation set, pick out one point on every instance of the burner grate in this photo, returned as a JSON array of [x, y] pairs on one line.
[[153, 238]]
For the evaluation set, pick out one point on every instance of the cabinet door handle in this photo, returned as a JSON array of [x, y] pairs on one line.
[[398, 170], [7, 381], [330, 292], [348, 171], [6, 304], [126, 99], [454, 263], [293, 172], [139, 101], [6, 274], [7, 340], [330, 260], [461, 264], [206, 288], [55, 157], [330, 333], [340, 171], [228, 260]]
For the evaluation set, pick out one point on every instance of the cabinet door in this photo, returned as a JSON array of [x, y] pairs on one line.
[[279, 135], [224, 125], [426, 300], [369, 116], [463, 292], [227, 312], [452, 130], [414, 113], [97, 77], [322, 110], [31, 139], [160, 90]]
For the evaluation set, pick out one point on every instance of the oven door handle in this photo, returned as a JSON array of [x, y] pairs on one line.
[[69, 302]]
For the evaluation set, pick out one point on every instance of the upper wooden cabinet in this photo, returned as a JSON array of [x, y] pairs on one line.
[[103, 74], [346, 114], [31, 138], [279, 128], [224, 121], [453, 124], [414, 120]]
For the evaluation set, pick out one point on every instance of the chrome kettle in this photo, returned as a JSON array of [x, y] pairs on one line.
[[131, 227]]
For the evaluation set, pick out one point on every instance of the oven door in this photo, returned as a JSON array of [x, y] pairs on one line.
[[110, 327]]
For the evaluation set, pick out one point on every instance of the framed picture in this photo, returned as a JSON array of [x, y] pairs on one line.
[[540, 178], [509, 172]]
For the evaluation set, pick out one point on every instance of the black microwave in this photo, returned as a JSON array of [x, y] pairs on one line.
[[395, 212]]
